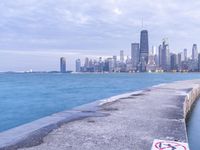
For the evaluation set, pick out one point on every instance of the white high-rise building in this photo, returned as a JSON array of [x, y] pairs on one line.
[[194, 52], [151, 66], [122, 56], [153, 51]]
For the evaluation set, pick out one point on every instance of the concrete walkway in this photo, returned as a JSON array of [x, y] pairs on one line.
[[131, 122]]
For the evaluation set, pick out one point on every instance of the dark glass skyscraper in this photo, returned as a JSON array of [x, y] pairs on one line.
[[62, 65], [173, 62], [144, 45], [144, 50]]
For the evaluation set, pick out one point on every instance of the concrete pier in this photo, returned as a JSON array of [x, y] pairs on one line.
[[127, 122]]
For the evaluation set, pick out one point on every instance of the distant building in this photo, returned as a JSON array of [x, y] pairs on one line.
[[165, 56], [90, 67], [153, 51], [101, 65], [86, 62], [144, 50], [144, 46], [62, 65], [192, 65], [194, 52], [78, 65], [185, 54], [108, 65], [135, 54], [114, 63], [173, 62], [160, 55], [199, 62], [179, 61], [129, 67], [122, 56], [151, 66]]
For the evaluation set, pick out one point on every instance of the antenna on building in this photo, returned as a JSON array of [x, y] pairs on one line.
[[142, 23]]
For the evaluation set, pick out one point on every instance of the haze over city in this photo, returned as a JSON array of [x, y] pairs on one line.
[[35, 34]]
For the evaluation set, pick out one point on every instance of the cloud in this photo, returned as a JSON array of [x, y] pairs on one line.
[[103, 26], [117, 11]]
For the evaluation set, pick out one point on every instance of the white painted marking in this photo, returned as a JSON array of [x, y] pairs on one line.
[[169, 145]]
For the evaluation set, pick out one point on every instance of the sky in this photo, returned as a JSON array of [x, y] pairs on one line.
[[34, 34]]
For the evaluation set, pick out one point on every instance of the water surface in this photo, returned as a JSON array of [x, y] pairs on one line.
[[193, 127], [27, 97]]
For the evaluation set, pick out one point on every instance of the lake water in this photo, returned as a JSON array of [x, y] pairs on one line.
[[27, 97], [193, 127]]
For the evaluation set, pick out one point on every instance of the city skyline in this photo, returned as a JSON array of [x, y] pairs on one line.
[[35, 34], [124, 57], [145, 50], [142, 59]]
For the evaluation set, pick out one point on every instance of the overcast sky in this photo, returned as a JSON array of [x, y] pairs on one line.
[[35, 33]]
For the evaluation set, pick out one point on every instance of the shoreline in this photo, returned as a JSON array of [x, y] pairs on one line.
[[79, 73], [10, 138], [32, 134]]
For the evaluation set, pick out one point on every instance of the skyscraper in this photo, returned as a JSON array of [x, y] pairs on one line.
[[78, 65], [165, 56], [122, 56], [86, 65], [179, 59], [144, 50], [135, 54], [160, 55], [144, 46], [173, 62], [151, 66], [199, 62], [155, 52], [185, 54], [62, 65], [114, 63], [194, 52]]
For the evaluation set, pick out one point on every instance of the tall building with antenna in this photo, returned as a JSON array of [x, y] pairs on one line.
[[144, 50]]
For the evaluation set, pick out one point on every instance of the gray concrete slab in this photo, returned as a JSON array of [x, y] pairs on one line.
[[128, 122]]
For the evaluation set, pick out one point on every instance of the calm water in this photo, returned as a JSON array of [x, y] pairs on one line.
[[27, 97], [193, 128]]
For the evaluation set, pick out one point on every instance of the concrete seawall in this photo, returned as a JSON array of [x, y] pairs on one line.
[[129, 121]]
